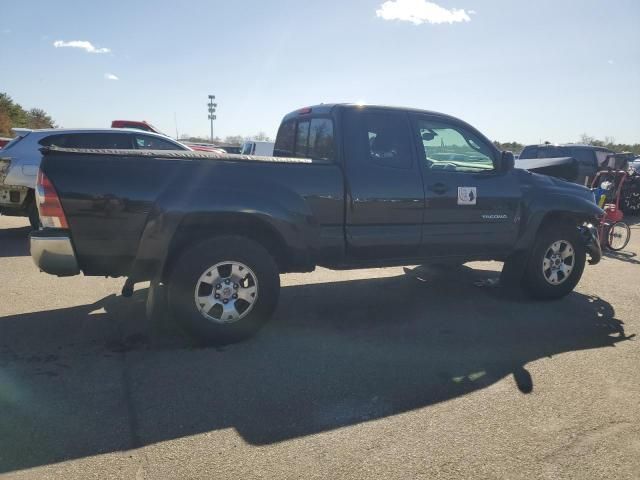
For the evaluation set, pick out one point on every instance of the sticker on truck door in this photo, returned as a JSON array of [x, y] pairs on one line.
[[467, 195]]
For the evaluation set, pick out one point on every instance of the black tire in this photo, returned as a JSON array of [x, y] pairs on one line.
[[34, 216], [196, 261], [631, 201], [618, 236], [535, 281]]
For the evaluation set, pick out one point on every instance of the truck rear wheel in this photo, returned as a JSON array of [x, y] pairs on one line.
[[223, 289], [556, 262]]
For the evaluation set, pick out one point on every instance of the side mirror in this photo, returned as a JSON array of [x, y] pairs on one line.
[[508, 161], [428, 136]]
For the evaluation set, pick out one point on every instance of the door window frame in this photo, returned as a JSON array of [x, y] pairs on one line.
[[362, 150], [419, 146]]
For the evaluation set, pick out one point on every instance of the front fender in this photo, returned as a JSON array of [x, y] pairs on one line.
[[554, 205]]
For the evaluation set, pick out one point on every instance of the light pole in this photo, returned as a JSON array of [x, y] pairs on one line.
[[212, 112]]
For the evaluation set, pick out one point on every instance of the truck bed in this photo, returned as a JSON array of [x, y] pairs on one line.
[[114, 199]]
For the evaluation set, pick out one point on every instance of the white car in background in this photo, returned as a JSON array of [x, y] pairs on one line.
[[20, 159], [253, 147]]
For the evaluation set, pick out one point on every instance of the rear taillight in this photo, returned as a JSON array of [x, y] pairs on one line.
[[48, 202]]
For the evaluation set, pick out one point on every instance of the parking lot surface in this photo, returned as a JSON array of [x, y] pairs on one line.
[[361, 374]]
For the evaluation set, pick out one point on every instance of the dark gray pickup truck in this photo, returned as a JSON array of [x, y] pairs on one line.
[[349, 187]]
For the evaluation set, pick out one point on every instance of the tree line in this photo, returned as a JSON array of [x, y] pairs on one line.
[[13, 115], [229, 139]]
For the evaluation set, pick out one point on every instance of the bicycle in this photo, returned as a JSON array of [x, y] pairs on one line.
[[613, 233]]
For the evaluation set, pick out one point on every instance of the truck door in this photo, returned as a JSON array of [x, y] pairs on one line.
[[471, 206], [385, 194]]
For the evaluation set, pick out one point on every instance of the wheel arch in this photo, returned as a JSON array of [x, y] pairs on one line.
[[555, 209], [195, 228]]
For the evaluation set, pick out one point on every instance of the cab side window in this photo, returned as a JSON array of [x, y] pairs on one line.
[[321, 139], [452, 148], [302, 139]]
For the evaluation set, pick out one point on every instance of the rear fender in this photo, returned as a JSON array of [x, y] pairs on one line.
[[293, 224]]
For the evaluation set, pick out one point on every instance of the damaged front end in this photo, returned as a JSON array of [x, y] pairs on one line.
[[591, 242]]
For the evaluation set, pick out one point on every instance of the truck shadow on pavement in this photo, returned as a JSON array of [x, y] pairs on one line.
[[96, 379], [14, 242]]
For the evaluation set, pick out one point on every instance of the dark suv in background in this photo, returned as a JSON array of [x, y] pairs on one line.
[[587, 158]]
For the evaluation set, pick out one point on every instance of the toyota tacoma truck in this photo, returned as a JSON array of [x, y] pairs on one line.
[[349, 186]]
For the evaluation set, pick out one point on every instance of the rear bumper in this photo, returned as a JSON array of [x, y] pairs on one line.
[[53, 253]]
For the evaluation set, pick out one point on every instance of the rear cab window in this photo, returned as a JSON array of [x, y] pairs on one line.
[[285, 140], [302, 139], [309, 137], [321, 138]]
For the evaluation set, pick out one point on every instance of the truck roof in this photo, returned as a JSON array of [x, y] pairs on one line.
[[328, 108]]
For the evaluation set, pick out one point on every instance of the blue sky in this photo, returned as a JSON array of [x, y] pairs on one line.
[[517, 70]]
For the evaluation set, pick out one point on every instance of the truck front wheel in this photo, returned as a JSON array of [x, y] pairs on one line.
[[556, 262], [223, 289]]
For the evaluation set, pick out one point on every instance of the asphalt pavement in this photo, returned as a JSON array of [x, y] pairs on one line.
[[361, 374]]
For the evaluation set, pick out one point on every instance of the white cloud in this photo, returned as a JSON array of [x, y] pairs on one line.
[[82, 44], [110, 76], [610, 62], [420, 11]]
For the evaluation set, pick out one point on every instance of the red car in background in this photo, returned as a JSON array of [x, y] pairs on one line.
[[147, 127], [4, 141]]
